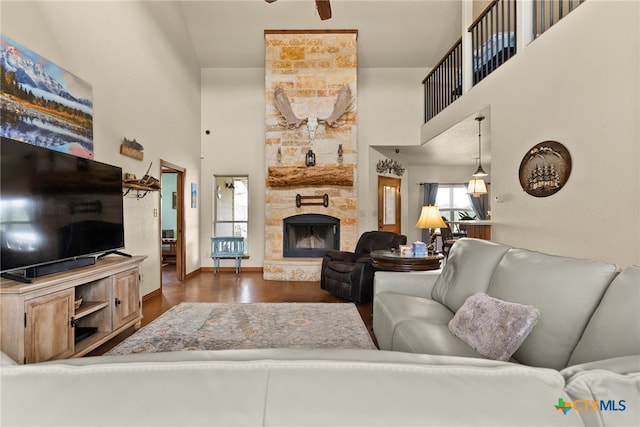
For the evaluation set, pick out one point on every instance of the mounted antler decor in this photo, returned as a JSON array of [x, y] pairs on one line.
[[343, 104]]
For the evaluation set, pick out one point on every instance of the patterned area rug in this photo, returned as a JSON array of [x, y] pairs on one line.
[[217, 326]]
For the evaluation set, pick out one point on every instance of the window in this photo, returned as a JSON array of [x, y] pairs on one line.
[[231, 206], [452, 200]]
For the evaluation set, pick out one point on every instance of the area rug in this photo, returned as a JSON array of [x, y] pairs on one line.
[[218, 326]]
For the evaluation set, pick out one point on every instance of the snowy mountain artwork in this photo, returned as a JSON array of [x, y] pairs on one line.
[[43, 104]]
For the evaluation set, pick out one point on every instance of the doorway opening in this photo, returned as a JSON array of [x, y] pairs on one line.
[[389, 207], [172, 239]]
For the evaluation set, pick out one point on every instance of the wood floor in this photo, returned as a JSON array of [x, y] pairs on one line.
[[228, 287]]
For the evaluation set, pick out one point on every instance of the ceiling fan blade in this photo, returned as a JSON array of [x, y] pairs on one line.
[[324, 9], [269, 1]]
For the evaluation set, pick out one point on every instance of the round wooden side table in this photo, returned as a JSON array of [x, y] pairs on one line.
[[393, 261]]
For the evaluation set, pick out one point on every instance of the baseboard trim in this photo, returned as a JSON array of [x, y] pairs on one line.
[[193, 273], [152, 294]]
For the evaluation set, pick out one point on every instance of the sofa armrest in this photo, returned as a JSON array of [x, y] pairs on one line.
[[415, 283], [615, 383]]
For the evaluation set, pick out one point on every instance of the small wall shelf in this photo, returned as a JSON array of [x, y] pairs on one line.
[[142, 190]]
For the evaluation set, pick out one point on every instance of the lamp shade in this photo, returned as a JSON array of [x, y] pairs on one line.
[[476, 187], [430, 218]]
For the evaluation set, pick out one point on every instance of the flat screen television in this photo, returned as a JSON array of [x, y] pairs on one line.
[[56, 209]]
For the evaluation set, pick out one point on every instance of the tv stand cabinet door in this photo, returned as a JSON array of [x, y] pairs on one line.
[[48, 331], [126, 298]]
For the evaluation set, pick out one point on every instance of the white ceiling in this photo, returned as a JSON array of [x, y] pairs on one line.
[[391, 33], [414, 33], [458, 146]]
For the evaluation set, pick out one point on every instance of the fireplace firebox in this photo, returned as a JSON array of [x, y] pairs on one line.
[[310, 235]]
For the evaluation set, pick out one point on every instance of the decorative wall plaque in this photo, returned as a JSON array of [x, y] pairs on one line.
[[545, 169]]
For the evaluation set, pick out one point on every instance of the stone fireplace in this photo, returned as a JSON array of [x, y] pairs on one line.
[[310, 67], [310, 235]]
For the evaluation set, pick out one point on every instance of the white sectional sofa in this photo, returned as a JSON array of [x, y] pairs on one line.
[[588, 323], [294, 388], [433, 380], [589, 311]]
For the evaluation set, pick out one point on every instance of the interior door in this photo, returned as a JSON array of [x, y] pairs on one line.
[[180, 246], [389, 204]]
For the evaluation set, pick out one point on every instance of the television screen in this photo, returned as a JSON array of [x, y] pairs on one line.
[[55, 206]]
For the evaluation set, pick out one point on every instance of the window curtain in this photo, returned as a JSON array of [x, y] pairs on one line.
[[428, 198], [479, 204]]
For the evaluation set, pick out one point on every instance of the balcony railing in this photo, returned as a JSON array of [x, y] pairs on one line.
[[443, 84], [548, 12], [494, 39]]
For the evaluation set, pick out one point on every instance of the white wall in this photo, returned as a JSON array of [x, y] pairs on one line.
[[577, 84], [233, 111], [145, 86], [390, 112]]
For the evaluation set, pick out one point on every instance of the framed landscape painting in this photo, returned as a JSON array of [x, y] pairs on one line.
[[43, 104]]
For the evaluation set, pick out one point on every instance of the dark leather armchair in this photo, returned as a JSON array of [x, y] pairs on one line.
[[349, 275]]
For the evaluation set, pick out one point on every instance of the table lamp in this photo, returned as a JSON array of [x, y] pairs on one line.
[[430, 218]]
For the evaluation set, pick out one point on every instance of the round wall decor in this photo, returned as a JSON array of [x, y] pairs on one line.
[[545, 169]]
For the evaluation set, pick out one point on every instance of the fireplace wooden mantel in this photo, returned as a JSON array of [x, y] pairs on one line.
[[292, 176]]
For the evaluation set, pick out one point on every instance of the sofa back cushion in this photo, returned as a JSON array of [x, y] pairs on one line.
[[614, 329], [467, 271], [565, 290]]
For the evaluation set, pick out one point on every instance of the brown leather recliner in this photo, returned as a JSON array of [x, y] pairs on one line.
[[349, 275]]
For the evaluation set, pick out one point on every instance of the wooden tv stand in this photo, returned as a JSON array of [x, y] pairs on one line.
[[39, 320]]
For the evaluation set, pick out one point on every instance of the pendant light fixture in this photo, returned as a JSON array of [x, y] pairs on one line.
[[476, 186], [479, 172]]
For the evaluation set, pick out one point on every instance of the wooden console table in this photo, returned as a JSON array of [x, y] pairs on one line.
[[393, 261], [40, 321]]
